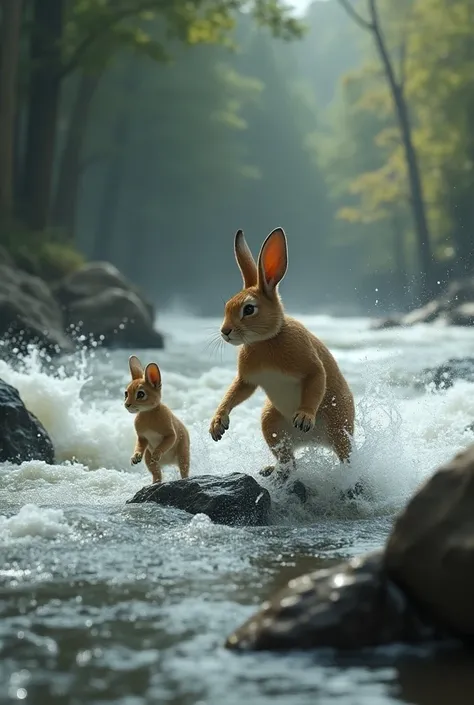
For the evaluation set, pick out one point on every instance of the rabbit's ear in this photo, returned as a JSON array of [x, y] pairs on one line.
[[136, 369], [153, 374], [272, 261], [245, 260]]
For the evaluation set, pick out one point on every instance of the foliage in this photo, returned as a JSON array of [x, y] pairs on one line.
[[430, 45], [202, 118], [95, 30], [215, 141], [50, 256]]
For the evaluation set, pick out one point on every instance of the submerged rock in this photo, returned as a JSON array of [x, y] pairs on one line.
[[430, 552], [236, 499], [349, 606], [22, 436], [444, 376]]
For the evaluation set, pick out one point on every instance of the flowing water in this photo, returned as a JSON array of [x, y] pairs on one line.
[[107, 602]]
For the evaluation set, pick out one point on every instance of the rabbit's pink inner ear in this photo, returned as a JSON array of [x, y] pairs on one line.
[[136, 369], [273, 260], [245, 260], [153, 374]]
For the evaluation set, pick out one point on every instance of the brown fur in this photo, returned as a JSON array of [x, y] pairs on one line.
[[308, 398], [162, 439]]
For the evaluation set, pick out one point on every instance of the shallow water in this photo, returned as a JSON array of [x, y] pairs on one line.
[[107, 602]]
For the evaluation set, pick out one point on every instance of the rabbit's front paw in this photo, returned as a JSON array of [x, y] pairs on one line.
[[219, 425], [304, 421], [136, 458]]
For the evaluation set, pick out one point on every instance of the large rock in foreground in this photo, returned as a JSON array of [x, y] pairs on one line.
[[349, 606], [29, 314], [236, 499], [22, 436], [430, 552], [102, 304]]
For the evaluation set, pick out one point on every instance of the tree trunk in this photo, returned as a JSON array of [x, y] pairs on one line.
[[64, 212], [425, 257], [107, 218], [43, 105], [111, 195], [400, 262], [10, 44], [462, 215]]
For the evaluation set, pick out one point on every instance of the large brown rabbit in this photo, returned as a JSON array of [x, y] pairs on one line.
[[162, 439], [308, 399]]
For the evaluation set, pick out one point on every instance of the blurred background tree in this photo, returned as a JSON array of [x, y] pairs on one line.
[[146, 132]]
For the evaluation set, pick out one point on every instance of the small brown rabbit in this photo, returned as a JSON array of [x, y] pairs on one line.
[[308, 399], [161, 437]]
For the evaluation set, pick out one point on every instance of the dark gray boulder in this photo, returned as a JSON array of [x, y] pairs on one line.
[[349, 606], [430, 552], [116, 317], [102, 304], [29, 314], [93, 278], [22, 436], [236, 499]]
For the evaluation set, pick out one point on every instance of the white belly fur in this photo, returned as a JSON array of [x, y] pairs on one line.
[[154, 439], [284, 393]]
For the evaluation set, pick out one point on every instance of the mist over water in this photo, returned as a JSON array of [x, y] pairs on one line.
[[132, 603]]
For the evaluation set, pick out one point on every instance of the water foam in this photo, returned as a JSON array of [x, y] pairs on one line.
[[399, 440], [33, 521]]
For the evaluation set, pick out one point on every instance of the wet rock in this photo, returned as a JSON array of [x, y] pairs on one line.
[[22, 436], [454, 306], [444, 376], [116, 317], [29, 313], [386, 323], [348, 606], [430, 552], [462, 315], [236, 499], [459, 291], [102, 304], [426, 314], [93, 279]]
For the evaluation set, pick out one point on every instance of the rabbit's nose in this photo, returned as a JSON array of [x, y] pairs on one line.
[[226, 331]]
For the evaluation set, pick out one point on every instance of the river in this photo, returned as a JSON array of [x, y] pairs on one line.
[[107, 602]]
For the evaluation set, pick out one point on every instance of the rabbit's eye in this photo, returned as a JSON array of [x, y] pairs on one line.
[[140, 394], [126, 394], [249, 309]]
